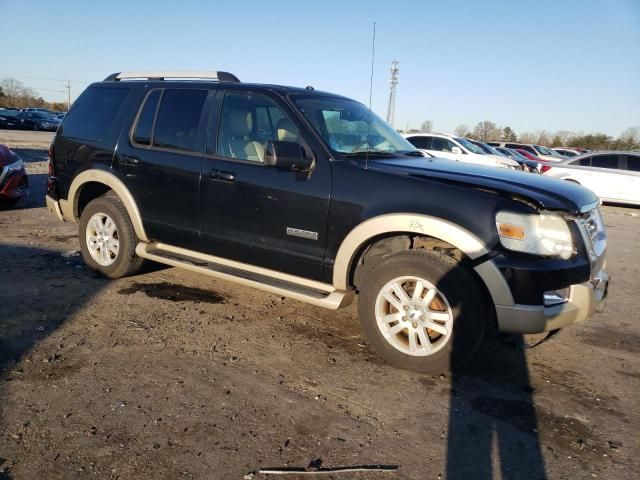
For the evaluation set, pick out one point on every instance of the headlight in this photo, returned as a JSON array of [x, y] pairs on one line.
[[15, 166], [546, 234]]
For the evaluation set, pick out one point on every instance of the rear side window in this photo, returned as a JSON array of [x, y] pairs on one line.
[[633, 163], [93, 112], [423, 143], [144, 127], [605, 161], [178, 119], [583, 162]]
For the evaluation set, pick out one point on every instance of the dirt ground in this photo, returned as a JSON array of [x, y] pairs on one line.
[[172, 375]]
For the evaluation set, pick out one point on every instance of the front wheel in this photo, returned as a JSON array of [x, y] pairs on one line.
[[422, 311], [107, 239]]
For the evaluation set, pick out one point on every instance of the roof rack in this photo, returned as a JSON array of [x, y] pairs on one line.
[[170, 75]]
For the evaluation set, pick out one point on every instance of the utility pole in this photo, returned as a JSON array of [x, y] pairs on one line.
[[393, 83], [68, 95]]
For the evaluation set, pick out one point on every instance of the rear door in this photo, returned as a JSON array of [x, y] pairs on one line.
[[603, 176], [255, 213], [161, 159], [631, 182]]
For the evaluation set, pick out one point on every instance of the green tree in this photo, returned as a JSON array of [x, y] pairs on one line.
[[508, 135]]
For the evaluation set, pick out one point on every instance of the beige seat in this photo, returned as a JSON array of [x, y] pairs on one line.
[[286, 131], [236, 139]]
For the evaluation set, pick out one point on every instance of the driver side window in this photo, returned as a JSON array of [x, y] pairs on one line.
[[247, 122]]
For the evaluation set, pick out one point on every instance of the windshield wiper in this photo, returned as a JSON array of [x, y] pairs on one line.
[[364, 153], [413, 153]]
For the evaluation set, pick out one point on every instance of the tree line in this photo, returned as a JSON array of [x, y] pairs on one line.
[[488, 131], [14, 94]]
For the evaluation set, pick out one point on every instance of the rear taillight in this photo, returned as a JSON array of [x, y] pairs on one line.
[[51, 181], [544, 168]]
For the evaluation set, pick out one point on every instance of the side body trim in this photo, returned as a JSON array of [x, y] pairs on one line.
[[305, 290], [70, 206], [435, 227]]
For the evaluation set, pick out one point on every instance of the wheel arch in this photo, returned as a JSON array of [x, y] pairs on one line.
[[400, 224], [70, 207]]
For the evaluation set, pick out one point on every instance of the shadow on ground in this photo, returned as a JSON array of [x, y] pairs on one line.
[[493, 425]]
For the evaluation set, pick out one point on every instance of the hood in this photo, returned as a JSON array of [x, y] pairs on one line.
[[548, 193], [504, 160]]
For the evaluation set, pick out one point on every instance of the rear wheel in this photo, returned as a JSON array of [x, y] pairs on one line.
[[107, 238], [422, 311]]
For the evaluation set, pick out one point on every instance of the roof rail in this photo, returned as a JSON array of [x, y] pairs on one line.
[[170, 75]]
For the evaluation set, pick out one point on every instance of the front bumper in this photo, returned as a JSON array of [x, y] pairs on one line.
[[584, 300]]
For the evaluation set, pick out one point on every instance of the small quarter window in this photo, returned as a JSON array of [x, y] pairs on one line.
[[144, 127]]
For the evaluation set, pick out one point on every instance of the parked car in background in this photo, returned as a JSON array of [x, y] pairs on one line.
[[523, 162], [539, 151], [457, 148], [569, 151], [34, 109], [9, 119], [38, 121], [613, 176], [60, 115], [534, 166], [14, 183]]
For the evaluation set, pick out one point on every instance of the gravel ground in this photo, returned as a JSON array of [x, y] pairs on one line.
[[172, 375]]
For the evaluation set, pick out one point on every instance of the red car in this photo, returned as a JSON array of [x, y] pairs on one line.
[[14, 183], [544, 163]]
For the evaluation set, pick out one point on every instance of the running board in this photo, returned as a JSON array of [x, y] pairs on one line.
[[298, 288]]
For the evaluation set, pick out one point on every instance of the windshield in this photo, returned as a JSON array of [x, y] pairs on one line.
[[348, 127], [470, 146], [547, 151], [516, 154]]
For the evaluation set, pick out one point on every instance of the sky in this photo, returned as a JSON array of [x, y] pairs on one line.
[[532, 65]]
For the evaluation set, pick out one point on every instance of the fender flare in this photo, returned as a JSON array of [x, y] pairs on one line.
[[69, 207], [435, 227]]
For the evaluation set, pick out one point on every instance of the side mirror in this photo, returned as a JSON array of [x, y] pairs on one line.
[[456, 150], [287, 156]]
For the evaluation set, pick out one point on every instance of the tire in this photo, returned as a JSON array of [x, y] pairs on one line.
[[458, 311], [116, 262]]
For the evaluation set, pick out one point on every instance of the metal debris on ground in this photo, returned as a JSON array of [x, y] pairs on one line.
[[316, 468]]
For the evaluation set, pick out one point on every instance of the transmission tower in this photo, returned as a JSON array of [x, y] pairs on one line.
[[393, 83]]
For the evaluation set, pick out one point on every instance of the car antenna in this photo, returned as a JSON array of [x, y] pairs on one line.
[[373, 56]]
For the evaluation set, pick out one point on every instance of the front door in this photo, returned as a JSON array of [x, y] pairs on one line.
[[255, 213]]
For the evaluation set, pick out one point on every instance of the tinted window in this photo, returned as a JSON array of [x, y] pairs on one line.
[[92, 113], [421, 142], [584, 162], [633, 163], [247, 122], [144, 126], [605, 161], [441, 144], [178, 119]]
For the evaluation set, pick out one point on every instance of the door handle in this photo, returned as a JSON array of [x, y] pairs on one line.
[[129, 160], [226, 176]]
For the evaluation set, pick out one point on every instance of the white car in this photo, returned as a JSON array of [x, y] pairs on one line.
[[568, 152], [613, 176], [539, 151], [458, 149]]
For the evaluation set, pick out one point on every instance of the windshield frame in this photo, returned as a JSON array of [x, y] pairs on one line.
[[295, 98], [470, 146]]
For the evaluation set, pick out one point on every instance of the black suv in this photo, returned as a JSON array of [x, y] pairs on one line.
[[310, 195]]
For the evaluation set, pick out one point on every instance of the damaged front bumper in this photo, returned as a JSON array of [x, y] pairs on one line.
[[584, 299]]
